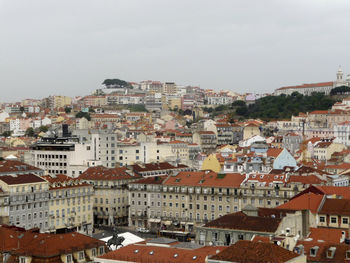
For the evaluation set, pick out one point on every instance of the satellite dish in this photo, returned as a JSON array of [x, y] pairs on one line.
[[279, 243]]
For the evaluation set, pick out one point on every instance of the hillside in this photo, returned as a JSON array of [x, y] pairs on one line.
[[278, 107]]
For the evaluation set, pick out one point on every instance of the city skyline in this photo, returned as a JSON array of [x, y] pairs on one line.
[[70, 48]]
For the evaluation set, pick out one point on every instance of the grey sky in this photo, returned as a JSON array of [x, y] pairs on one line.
[[68, 47]]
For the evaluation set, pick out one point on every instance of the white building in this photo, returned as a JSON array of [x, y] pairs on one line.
[[342, 133]]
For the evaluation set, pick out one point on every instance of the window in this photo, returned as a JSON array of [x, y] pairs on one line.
[[81, 255], [22, 260], [93, 252], [69, 258], [345, 220], [333, 220], [313, 251], [322, 219]]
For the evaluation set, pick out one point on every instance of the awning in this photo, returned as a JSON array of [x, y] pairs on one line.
[[190, 223], [182, 223], [167, 223], [154, 220]]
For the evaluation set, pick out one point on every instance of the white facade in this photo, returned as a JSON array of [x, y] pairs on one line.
[[342, 133]]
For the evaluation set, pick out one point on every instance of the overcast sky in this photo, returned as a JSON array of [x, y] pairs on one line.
[[68, 47]]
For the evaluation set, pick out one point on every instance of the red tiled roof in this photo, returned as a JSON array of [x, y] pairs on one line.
[[323, 247], [63, 181], [319, 112], [13, 166], [336, 207], [342, 191], [27, 242], [267, 178], [206, 179], [309, 201], [156, 254], [333, 235], [241, 221], [21, 179], [155, 167], [258, 252], [103, 173], [151, 180], [309, 85], [307, 179], [274, 152]]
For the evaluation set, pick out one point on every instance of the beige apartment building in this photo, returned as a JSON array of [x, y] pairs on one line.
[[71, 204], [60, 101], [187, 199], [110, 193]]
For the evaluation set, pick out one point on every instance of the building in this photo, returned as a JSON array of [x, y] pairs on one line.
[[14, 167], [160, 250], [28, 200], [206, 139], [110, 192], [342, 133], [26, 246], [244, 225], [262, 252], [64, 155], [157, 169], [59, 101], [291, 141], [306, 89], [71, 205], [250, 130], [182, 200]]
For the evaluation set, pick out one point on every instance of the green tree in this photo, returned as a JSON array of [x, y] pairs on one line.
[[238, 103], [242, 111], [21, 109], [85, 115], [6, 133], [111, 83], [137, 108], [340, 90], [30, 132], [68, 110], [43, 128]]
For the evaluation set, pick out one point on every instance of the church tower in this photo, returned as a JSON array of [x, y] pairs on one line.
[[340, 74]]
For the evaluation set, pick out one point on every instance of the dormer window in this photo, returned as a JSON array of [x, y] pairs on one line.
[[299, 249], [347, 254], [331, 252], [313, 251], [101, 250], [22, 260], [68, 258], [333, 220]]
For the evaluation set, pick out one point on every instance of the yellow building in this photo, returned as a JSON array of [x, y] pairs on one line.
[[174, 103], [211, 163], [250, 130], [60, 101], [71, 204]]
